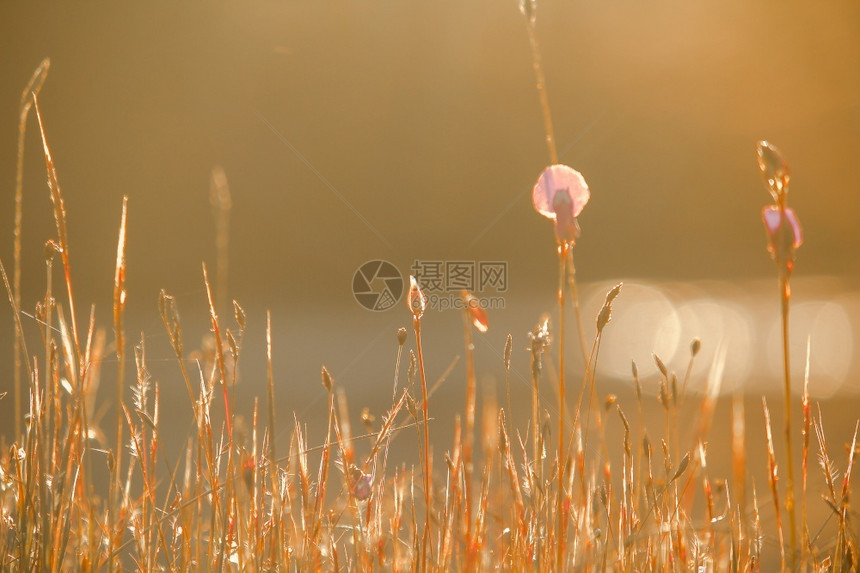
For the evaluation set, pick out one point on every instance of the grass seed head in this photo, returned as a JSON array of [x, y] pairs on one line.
[[661, 366], [539, 337], [416, 301], [529, 10], [695, 346], [326, 379], [605, 314]]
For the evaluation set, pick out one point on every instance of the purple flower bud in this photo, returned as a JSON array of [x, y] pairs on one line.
[[362, 487], [774, 169], [784, 234]]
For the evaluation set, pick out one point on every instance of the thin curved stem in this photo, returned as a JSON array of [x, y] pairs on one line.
[[416, 323], [541, 88]]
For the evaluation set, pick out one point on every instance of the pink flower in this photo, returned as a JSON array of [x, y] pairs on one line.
[[784, 234], [560, 194]]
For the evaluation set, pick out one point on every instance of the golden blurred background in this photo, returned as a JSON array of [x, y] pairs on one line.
[[353, 131]]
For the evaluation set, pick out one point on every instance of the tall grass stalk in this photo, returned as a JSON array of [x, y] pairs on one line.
[[119, 294], [28, 95], [219, 353], [62, 235], [270, 384], [417, 304], [773, 477]]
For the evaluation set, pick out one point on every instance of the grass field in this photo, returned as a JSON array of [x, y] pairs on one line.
[[114, 469]]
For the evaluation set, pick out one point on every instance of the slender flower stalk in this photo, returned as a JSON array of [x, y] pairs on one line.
[[805, 432], [563, 248], [577, 308], [561, 458], [560, 194], [784, 236], [417, 304], [529, 10]]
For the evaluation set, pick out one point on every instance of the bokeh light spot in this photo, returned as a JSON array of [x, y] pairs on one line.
[[644, 321]]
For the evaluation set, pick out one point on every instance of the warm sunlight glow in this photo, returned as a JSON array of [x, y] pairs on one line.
[[717, 322]]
